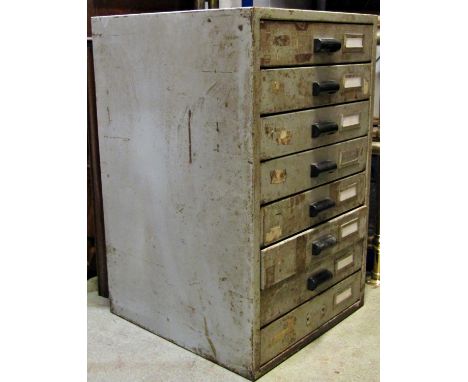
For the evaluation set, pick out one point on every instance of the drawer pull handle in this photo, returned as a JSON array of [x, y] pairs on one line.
[[319, 278], [322, 244], [327, 45], [317, 168], [320, 206], [319, 128], [328, 87]]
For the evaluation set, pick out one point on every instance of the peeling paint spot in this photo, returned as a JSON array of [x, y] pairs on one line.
[[273, 234], [301, 26], [265, 61], [278, 176], [282, 40], [303, 57], [277, 86], [284, 137], [288, 333]]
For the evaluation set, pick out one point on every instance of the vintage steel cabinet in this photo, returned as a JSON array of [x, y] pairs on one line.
[[235, 172]]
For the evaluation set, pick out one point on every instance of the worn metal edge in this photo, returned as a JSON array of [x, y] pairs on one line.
[[276, 14], [307, 339], [212, 11], [369, 149], [258, 214], [283, 14]]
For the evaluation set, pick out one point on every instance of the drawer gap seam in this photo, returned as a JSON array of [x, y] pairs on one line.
[[312, 108]]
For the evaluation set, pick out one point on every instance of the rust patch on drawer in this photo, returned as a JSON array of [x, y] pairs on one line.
[[301, 243], [278, 176], [274, 233], [270, 275], [284, 137], [303, 57], [301, 26], [282, 40], [287, 333], [277, 86]]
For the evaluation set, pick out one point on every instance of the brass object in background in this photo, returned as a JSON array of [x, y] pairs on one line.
[[374, 244], [199, 4], [375, 274]]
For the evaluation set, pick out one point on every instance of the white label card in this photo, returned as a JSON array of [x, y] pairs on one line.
[[350, 120], [354, 42], [347, 293], [352, 82], [348, 193], [349, 228]]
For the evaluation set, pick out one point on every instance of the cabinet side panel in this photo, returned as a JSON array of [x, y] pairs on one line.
[[174, 96]]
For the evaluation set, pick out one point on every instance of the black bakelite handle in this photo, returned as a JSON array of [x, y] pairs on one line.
[[320, 206], [319, 128], [319, 278], [327, 45], [328, 87], [322, 244], [317, 168]]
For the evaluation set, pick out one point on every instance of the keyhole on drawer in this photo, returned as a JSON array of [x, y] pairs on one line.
[[308, 319], [323, 310]]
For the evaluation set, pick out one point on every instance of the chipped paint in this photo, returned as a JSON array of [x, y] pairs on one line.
[[283, 137], [273, 234], [278, 176]]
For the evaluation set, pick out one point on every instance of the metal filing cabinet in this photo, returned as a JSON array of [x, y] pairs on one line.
[[235, 172]]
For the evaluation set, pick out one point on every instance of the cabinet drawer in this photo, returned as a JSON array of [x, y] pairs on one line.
[[317, 277], [288, 133], [291, 215], [295, 173], [292, 256], [290, 328], [288, 43], [292, 88]]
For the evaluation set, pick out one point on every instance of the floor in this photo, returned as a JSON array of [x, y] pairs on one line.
[[120, 351]]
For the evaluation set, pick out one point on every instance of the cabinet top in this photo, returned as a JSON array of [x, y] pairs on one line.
[[266, 13]]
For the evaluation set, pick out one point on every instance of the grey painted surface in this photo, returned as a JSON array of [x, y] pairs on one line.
[[176, 162]]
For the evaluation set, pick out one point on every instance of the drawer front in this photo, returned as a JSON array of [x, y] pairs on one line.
[[293, 256], [288, 43], [295, 173], [290, 328], [319, 276], [289, 216], [285, 134], [292, 88]]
